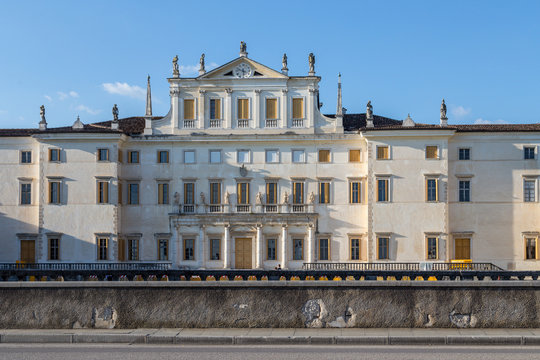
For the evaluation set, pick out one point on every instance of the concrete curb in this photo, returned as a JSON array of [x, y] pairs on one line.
[[110, 338]]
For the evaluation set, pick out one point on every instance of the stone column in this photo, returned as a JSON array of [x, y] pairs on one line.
[[202, 248], [258, 122], [175, 108], [228, 110], [226, 246], [284, 107], [283, 247], [201, 108], [258, 247], [310, 116], [310, 244]]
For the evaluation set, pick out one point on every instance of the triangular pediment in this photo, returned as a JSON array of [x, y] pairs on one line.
[[258, 70]]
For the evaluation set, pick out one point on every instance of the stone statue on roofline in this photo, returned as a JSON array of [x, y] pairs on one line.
[[284, 62], [115, 112], [201, 63], [42, 113], [312, 198], [311, 59], [443, 110], [243, 47], [369, 110], [176, 69], [176, 198]]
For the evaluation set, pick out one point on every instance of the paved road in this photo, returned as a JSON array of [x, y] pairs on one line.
[[166, 352]]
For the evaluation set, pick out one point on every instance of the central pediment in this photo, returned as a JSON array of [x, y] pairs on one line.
[[243, 68]]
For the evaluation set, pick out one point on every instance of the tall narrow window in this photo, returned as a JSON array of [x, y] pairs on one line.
[[54, 249], [354, 192], [26, 194], [163, 193], [133, 249], [243, 109], [189, 193], [103, 192], [54, 192], [189, 109], [462, 249], [382, 248], [103, 154], [383, 153], [298, 108], [432, 152], [103, 248], [133, 194], [242, 192], [355, 249], [271, 109], [189, 249], [215, 249], [26, 157], [529, 190], [324, 193], [382, 190], [324, 249], [54, 154], [528, 152], [121, 249], [215, 193], [163, 249], [163, 157], [271, 249], [215, 109], [324, 156], [271, 193], [464, 191], [432, 248], [354, 155], [298, 192], [432, 192], [133, 157], [298, 249], [531, 248]]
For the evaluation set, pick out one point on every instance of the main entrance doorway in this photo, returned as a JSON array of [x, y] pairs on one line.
[[28, 251], [242, 253], [462, 249]]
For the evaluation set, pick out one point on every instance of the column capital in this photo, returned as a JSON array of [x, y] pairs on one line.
[[228, 91], [259, 226], [202, 226], [284, 91], [174, 92], [202, 92], [257, 91], [284, 226], [311, 225], [227, 225]]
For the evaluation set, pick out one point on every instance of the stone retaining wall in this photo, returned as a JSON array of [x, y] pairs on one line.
[[271, 304]]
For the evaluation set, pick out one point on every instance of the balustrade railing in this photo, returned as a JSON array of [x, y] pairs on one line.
[[271, 208], [189, 124], [86, 266], [215, 208], [297, 123], [395, 266], [215, 123], [189, 209], [271, 123], [298, 208], [243, 208], [242, 123]]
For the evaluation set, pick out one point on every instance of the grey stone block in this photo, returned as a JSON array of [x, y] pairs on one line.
[[109, 338], [37, 338], [322, 340], [160, 339], [531, 340], [483, 340], [417, 340], [206, 340], [361, 340]]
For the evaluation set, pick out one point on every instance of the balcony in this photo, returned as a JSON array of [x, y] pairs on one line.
[[215, 208], [298, 208], [271, 123], [215, 123], [189, 209], [243, 123], [271, 208], [243, 208], [189, 124], [298, 123]]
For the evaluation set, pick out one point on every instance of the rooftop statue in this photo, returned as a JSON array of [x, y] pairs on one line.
[[115, 112], [284, 62], [42, 112], [201, 63], [443, 110], [176, 69], [369, 110], [311, 59], [243, 47]]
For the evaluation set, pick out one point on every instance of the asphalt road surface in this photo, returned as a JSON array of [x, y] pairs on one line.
[[166, 352]]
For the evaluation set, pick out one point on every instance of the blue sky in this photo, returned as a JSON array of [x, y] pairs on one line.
[[80, 58]]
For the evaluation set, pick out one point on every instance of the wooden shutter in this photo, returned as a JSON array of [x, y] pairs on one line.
[[160, 194], [271, 108], [189, 109], [354, 155], [105, 192], [243, 108], [217, 109], [298, 108], [431, 152], [119, 193], [324, 156]]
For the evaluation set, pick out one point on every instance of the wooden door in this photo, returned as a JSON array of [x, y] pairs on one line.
[[28, 251], [462, 249], [243, 253]]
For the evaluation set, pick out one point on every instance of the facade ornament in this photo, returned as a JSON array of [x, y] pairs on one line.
[[243, 170], [257, 91], [284, 91], [203, 199], [202, 92], [202, 70], [77, 125], [174, 92], [369, 115], [176, 198], [43, 122], [408, 122], [115, 112], [444, 119], [312, 198], [176, 69], [227, 198], [148, 98], [284, 68], [311, 59], [258, 198], [243, 49], [285, 198], [228, 91]]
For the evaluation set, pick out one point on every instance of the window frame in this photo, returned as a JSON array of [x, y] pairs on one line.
[[468, 157], [437, 152], [267, 151], [214, 151], [242, 193], [159, 156], [59, 197], [427, 187], [189, 151], [103, 187], [386, 153], [319, 248], [385, 180], [159, 241], [133, 253], [294, 239], [130, 158], [325, 196], [163, 193], [99, 248], [100, 152], [379, 238], [359, 151], [214, 99], [427, 240], [22, 157], [464, 190], [275, 240], [238, 107], [50, 238], [302, 184], [22, 192], [536, 252], [276, 107], [186, 185], [194, 108], [527, 151], [303, 155], [58, 155], [130, 192], [329, 154], [238, 151], [185, 248], [351, 248], [351, 191], [302, 107], [275, 199], [211, 193], [211, 247], [527, 191]]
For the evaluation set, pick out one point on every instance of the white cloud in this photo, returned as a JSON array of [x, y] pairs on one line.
[[481, 121], [73, 94], [125, 89], [460, 111], [87, 109], [47, 97], [63, 96]]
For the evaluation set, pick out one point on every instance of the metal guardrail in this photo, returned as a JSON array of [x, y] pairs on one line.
[[392, 266]]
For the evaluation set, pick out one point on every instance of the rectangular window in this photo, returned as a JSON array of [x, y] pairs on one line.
[[189, 109], [462, 249], [120, 156], [298, 249], [355, 249], [54, 192], [189, 249], [324, 193], [242, 193], [271, 249], [189, 157], [529, 190], [103, 192], [271, 193], [243, 109], [215, 156], [432, 248], [530, 249], [382, 190], [272, 156], [26, 194], [271, 109], [383, 153], [215, 249], [163, 249], [354, 155], [54, 249], [464, 154], [26, 157], [54, 154], [242, 156], [298, 192], [324, 156], [432, 152], [382, 248], [215, 109], [163, 157], [354, 192], [189, 193], [163, 193], [103, 154], [120, 193], [464, 191], [324, 249], [432, 191], [133, 157], [215, 193], [103, 247], [298, 108], [133, 194], [298, 156], [528, 152], [133, 249]]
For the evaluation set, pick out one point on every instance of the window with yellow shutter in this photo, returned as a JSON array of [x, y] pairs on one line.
[[189, 109], [324, 193], [298, 108], [432, 152], [215, 109], [103, 192], [383, 153], [271, 109], [324, 156], [354, 155], [243, 193], [163, 193], [243, 109], [354, 192]]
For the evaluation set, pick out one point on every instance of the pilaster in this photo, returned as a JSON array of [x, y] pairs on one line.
[[258, 247], [284, 108], [202, 248], [257, 119], [310, 246], [201, 104], [283, 247], [175, 109], [228, 109], [226, 246]]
